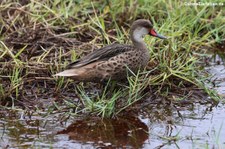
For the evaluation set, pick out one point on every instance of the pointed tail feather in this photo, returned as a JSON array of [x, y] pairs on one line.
[[67, 73]]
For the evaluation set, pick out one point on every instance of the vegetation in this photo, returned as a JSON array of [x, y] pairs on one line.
[[39, 38]]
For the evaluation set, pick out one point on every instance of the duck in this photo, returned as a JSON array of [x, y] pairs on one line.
[[115, 61]]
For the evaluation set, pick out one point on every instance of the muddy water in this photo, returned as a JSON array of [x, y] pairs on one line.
[[194, 126], [217, 69]]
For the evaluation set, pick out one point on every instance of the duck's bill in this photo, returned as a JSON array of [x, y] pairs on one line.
[[161, 36], [152, 32]]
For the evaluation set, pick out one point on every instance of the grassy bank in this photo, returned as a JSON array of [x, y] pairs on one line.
[[39, 38]]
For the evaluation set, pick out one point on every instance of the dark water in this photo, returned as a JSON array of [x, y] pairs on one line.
[[195, 126], [201, 127]]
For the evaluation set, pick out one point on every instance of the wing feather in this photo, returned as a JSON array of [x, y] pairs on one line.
[[101, 54]]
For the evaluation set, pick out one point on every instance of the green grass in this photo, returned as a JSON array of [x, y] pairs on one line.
[[40, 38]]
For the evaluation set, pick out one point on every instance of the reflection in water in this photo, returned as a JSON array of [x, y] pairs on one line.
[[127, 132], [216, 67], [185, 127], [18, 130], [157, 126]]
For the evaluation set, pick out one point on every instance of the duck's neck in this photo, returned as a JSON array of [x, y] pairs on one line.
[[137, 37]]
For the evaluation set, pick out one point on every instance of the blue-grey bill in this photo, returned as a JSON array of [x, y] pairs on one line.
[[161, 36]]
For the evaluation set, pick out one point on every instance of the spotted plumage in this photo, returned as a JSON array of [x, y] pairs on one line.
[[112, 61]]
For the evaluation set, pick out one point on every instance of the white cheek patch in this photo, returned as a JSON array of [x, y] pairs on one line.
[[139, 33]]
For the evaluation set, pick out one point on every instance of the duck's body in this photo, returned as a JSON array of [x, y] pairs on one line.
[[112, 62], [109, 62]]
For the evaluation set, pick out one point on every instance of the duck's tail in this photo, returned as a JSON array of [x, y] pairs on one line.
[[68, 73]]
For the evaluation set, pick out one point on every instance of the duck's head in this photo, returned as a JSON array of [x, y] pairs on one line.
[[143, 27]]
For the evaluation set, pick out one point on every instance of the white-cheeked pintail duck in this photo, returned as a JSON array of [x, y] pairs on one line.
[[112, 61]]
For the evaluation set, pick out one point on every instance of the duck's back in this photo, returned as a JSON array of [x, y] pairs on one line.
[[108, 62]]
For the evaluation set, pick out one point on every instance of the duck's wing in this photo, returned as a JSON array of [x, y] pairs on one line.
[[101, 54]]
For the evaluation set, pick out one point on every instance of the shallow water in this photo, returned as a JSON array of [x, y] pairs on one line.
[[193, 126], [197, 128]]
